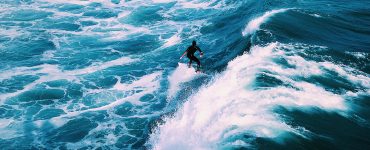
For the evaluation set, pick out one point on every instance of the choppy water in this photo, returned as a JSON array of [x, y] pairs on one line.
[[99, 74]]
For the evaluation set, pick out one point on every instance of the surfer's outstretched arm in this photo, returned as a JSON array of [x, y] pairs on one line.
[[183, 54]]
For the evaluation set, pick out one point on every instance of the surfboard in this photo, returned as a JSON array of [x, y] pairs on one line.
[[199, 71], [192, 68]]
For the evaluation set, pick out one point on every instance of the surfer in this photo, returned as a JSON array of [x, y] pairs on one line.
[[190, 54]]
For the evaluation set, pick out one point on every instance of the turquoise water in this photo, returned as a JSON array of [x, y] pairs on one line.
[[106, 74]]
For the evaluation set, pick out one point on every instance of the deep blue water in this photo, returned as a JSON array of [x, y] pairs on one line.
[[100, 74]]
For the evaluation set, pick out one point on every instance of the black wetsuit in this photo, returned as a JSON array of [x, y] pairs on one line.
[[190, 53]]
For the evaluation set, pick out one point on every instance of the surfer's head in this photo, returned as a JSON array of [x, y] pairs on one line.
[[194, 43]]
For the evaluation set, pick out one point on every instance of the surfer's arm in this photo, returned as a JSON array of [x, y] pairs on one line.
[[201, 52], [184, 54]]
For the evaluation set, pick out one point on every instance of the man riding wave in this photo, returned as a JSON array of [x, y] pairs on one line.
[[190, 54]]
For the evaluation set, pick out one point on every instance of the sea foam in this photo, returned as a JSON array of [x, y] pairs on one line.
[[230, 106]]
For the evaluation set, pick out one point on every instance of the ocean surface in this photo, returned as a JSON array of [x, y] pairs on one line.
[[106, 74]]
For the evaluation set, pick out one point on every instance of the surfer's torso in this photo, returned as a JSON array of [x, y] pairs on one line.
[[192, 49]]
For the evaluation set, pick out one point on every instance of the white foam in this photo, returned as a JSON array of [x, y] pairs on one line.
[[346, 72], [123, 14], [317, 15], [255, 23], [58, 121], [101, 66], [9, 129], [360, 55], [307, 68], [53, 70], [173, 40], [11, 33], [120, 31], [181, 74], [5, 122], [194, 4], [146, 81], [82, 2], [107, 128], [161, 1], [197, 5], [229, 106], [47, 55], [54, 73], [61, 14], [148, 84], [78, 2], [302, 67], [106, 29]]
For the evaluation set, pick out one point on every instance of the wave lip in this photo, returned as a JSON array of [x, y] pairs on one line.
[[255, 24]]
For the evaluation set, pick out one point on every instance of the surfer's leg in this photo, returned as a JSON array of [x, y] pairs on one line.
[[197, 61], [189, 64], [190, 60]]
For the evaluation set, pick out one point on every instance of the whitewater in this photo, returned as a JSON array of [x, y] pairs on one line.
[[106, 74]]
